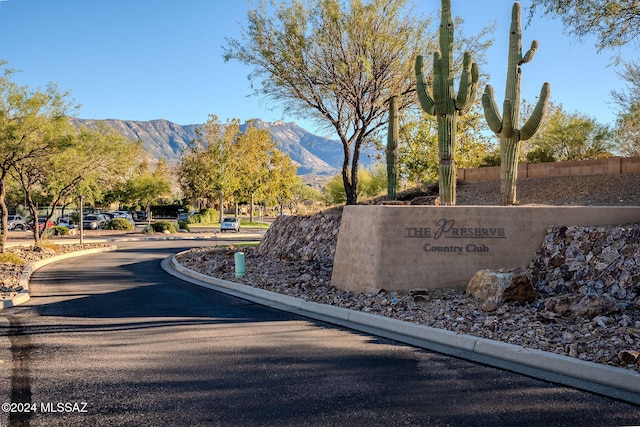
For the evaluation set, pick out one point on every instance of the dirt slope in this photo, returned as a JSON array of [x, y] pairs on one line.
[[592, 190]]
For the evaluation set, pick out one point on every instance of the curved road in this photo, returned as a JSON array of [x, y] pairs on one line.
[[112, 340]]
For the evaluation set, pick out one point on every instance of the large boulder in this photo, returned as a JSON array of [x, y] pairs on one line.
[[495, 287]]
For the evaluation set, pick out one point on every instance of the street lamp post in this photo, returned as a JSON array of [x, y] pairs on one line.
[[81, 220]]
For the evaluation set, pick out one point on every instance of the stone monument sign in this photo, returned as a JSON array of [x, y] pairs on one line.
[[398, 248]]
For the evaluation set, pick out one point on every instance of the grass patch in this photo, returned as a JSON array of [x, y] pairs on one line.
[[204, 225], [245, 245], [45, 244], [254, 224]]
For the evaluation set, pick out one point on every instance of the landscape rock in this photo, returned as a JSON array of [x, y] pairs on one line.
[[589, 306], [426, 200], [602, 263], [306, 238], [496, 287], [629, 356]]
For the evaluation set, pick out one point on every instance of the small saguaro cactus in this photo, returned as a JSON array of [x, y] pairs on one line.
[[392, 150], [506, 127], [443, 103]]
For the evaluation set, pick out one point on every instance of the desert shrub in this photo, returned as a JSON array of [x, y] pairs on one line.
[[60, 230], [10, 258], [45, 245], [183, 225], [148, 229], [205, 216], [163, 226], [119, 224]]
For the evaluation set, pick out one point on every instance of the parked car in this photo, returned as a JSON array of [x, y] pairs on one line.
[[16, 222], [109, 215], [139, 215], [230, 224], [93, 221], [185, 216], [119, 214], [42, 223], [66, 221]]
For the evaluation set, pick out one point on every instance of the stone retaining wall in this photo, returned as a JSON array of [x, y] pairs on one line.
[[306, 238], [590, 261]]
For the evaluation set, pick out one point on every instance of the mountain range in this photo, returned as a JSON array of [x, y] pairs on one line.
[[314, 154]]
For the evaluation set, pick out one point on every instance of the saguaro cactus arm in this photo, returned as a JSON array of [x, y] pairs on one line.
[[530, 53], [422, 87], [533, 124], [491, 112], [468, 85]]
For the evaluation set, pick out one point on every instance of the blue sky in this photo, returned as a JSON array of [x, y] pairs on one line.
[[152, 59]]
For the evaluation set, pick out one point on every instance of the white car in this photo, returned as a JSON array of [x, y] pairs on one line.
[[230, 224], [16, 222]]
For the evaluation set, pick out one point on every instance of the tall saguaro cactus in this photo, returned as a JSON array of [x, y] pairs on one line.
[[506, 127], [392, 150], [443, 103]]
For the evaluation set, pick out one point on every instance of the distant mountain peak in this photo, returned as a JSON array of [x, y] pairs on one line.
[[315, 155]]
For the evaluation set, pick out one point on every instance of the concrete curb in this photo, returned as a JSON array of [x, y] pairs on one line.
[[606, 380], [24, 295]]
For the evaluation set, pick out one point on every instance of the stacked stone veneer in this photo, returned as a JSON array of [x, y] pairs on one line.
[[595, 261], [306, 238]]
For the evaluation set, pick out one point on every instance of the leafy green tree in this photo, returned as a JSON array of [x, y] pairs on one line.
[[628, 132], [301, 192], [334, 191], [242, 165], [629, 97], [193, 174], [258, 148], [372, 183], [615, 23], [282, 178], [98, 158], [570, 136], [145, 188], [628, 102], [29, 124], [334, 61], [162, 168], [418, 145], [209, 167]]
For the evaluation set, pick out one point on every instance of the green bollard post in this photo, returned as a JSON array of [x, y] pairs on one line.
[[238, 258]]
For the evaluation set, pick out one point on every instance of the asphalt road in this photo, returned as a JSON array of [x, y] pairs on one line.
[[112, 340]]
